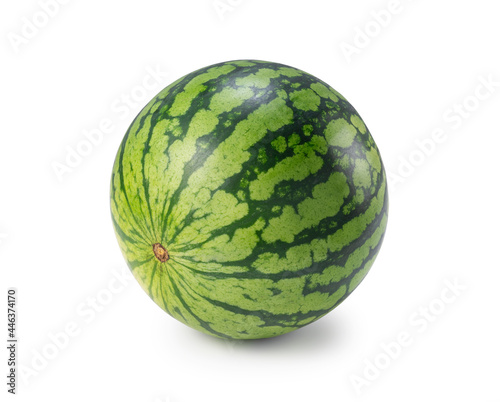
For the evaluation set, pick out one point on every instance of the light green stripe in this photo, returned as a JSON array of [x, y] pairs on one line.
[[194, 87], [326, 201], [304, 163], [261, 79]]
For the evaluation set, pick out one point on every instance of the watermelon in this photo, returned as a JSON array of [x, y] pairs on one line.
[[248, 199]]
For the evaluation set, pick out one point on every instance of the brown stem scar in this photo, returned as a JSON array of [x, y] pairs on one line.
[[161, 252]]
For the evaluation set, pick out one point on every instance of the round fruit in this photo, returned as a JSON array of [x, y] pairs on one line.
[[249, 199]]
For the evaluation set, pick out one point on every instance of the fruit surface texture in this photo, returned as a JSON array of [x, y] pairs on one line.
[[249, 199]]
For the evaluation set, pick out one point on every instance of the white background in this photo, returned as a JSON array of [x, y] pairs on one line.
[[407, 79]]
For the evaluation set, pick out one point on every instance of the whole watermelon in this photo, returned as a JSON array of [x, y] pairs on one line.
[[249, 199]]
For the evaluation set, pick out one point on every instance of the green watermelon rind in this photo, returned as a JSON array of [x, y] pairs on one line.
[[265, 187]]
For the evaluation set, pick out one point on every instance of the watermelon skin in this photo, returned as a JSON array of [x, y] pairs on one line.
[[248, 199]]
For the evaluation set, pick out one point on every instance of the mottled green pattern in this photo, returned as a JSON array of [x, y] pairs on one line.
[[267, 190]]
